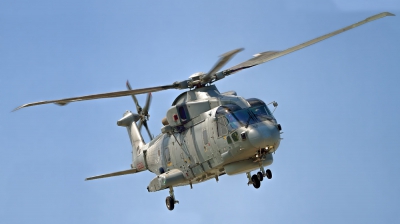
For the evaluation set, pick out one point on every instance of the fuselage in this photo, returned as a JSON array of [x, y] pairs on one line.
[[233, 136]]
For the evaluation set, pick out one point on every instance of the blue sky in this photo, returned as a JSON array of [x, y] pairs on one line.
[[338, 106]]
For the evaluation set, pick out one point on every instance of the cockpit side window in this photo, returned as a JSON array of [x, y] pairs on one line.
[[222, 123], [233, 124], [232, 117]]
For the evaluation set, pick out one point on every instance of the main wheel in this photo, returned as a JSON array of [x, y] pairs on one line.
[[269, 174], [256, 181], [260, 176], [170, 202]]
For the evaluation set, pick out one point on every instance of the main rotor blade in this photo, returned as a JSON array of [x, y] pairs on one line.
[[138, 108], [65, 101], [220, 63], [147, 105], [270, 55]]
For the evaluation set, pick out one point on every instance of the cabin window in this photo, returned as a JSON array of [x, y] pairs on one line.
[[205, 137], [182, 113], [167, 157]]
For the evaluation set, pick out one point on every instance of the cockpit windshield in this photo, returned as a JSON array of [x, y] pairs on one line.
[[240, 118], [262, 113], [259, 109], [232, 116]]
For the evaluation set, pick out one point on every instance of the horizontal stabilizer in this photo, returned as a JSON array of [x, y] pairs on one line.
[[119, 173]]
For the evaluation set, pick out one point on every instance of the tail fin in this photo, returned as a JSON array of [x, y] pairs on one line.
[[129, 121]]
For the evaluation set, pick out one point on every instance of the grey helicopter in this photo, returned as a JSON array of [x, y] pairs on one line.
[[205, 133]]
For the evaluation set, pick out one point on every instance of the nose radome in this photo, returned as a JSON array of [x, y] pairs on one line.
[[263, 135]]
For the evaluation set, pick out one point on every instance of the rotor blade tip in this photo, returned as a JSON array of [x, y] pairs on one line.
[[22, 106], [232, 52], [239, 49]]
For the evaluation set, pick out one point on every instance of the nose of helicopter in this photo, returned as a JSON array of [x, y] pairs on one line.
[[264, 135]]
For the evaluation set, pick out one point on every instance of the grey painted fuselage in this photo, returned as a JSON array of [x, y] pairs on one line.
[[195, 149]]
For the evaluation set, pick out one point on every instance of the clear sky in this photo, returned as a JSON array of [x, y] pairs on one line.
[[339, 107]]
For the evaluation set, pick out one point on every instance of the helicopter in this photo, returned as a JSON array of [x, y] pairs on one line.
[[205, 133]]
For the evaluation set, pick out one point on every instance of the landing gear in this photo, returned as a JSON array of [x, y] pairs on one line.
[[268, 174], [260, 176], [256, 181], [257, 178], [253, 180], [170, 200]]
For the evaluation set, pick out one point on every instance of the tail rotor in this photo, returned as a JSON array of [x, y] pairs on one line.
[[143, 112]]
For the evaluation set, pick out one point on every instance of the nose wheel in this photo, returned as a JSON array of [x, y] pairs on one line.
[[268, 174], [256, 179], [260, 176]]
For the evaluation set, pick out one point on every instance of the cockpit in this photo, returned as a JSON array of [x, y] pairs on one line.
[[230, 116], [260, 110]]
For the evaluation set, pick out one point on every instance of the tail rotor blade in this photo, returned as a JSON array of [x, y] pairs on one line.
[[147, 105], [147, 129], [144, 113], [140, 124], [138, 108]]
